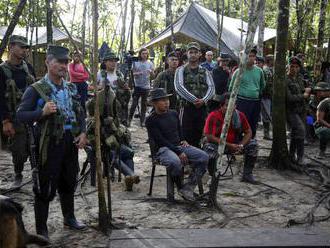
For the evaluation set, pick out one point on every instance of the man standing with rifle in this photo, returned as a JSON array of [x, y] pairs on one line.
[[53, 106], [15, 77]]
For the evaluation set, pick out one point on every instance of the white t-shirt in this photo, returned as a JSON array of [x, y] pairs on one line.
[[112, 78]]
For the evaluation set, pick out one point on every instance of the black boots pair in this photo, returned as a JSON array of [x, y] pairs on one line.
[[266, 126], [41, 209], [249, 163], [297, 148]]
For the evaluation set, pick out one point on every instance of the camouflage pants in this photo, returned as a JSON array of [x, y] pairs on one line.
[[18, 145], [297, 125]]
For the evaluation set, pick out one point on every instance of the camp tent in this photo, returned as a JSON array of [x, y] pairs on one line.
[[58, 35], [200, 24]]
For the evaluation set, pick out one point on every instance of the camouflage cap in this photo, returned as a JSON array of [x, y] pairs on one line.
[[193, 45], [109, 55], [322, 86], [59, 52], [18, 39]]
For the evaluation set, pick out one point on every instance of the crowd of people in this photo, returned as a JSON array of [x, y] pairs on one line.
[[187, 106]]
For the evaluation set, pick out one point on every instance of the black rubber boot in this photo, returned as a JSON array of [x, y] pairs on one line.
[[41, 215], [300, 152], [249, 162], [292, 150], [18, 168], [266, 131], [178, 182], [67, 205], [323, 147]]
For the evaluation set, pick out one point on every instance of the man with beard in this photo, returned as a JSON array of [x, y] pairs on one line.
[[15, 77], [195, 87]]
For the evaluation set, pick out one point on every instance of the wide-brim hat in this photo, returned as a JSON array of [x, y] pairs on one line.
[[157, 94], [59, 52], [20, 40], [322, 86], [109, 55]]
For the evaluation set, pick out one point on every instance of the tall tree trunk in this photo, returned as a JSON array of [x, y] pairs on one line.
[[299, 26], [253, 22], [228, 8], [103, 214], [219, 23], [131, 42], [252, 9], [242, 26], [320, 38], [279, 158], [123, 29], [169, 23], [83, 29], [49, 20], [12, 25], [73, 15], [328, 51], [261, 31]]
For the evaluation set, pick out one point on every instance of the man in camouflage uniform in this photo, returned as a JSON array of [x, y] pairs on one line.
[[266, 100], [295, 110], [115, 138], [52, 107], [113, 77], [322, 125], [15, 77], [165, 79], [194, 84]]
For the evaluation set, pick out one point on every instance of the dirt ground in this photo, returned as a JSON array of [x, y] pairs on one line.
[[291, 196]]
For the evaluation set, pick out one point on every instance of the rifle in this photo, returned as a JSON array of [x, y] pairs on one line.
[[34, 157]]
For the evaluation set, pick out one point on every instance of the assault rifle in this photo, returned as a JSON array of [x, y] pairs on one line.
[[34, 156]]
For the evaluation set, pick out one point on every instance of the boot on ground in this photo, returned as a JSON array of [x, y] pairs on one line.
[[67, 205], [249, 162], [41, 215], [17, 181], [129, 181]]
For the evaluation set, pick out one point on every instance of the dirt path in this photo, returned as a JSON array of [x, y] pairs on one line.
[[247, 205]]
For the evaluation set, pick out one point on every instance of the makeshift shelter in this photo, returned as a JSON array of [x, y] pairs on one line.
[[59, 36], [200, 24]]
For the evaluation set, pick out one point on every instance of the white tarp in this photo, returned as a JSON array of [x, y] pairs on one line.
[[200, 24]]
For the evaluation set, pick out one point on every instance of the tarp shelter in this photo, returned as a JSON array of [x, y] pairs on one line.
[[200, 24], [59, 36]]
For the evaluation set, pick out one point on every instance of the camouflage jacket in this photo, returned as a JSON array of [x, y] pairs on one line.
[[195, 83], [165, 79], [295, 101], [268, 90]]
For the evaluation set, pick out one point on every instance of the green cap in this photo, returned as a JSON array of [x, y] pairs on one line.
[[21, 40], [193, 45], [322, 86], [59, 52], [109, 55]]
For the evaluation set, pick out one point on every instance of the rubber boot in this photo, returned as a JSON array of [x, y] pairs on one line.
[[178, 182], [18, 168], [67, 205], [41, 215], [300, 152], [187, 190], [292, 150], [323, 147], [249, 162], [266, 131]]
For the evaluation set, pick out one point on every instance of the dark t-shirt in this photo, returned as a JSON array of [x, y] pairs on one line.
[[220, 79], [165, 130], [324, 106]]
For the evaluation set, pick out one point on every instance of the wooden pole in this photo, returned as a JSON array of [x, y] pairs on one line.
[[103, 214]]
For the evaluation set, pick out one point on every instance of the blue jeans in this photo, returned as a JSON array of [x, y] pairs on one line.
[[126, 162], [198, 159]]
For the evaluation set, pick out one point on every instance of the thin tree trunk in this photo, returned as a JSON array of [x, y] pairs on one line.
[[219, 23], [279, 158], [328, 51], [131, 45], [83, 29], [252, 9], [253, 22], [73, 15], [115, 32], [123, 29], [49, 20], [12, 25], [261, 31], [169, 22], [242, 26], [320, 38], [103, 214]]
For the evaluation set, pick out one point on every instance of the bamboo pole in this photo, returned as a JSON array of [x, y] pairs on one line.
[[253, 21], [103, 214]]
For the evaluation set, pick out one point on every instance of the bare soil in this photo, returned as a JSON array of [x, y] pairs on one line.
[[288, 195]]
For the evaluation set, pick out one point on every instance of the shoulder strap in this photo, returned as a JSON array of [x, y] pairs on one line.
[[42, 88], [6, 70]]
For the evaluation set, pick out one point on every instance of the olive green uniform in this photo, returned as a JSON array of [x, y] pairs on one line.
[[165, 80]]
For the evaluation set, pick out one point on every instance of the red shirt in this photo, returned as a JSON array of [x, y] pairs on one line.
[[77, 73], [215, 121]]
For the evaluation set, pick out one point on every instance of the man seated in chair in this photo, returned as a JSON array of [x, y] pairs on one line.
[[238, 139], [173, 152]]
